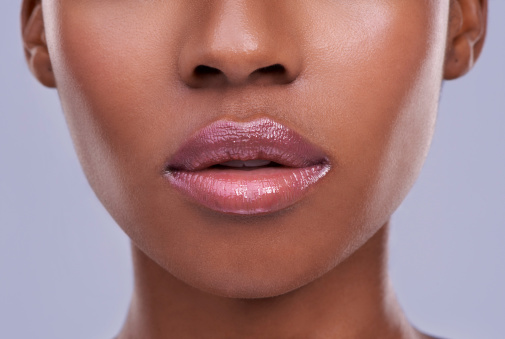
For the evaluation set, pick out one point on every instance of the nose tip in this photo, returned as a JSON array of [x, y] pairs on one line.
[[239, 47]]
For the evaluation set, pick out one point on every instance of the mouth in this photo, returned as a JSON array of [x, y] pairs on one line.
[[254, 167]]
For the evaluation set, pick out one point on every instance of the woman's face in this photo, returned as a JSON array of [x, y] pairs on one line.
[[357, 80]]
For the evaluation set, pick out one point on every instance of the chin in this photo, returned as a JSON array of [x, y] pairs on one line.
[[248, 278], [238, 286]]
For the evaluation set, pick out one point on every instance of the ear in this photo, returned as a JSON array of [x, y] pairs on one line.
[[34, 41], [467, 30]]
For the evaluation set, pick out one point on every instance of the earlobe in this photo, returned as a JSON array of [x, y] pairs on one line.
[[34, 42], [467, 31]]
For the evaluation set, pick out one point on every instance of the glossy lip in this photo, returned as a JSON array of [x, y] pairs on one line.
[[254, 191]]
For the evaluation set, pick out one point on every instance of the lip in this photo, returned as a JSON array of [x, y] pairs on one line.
[[192, 169]]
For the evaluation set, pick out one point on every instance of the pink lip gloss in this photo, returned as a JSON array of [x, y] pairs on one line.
[[224, 167]]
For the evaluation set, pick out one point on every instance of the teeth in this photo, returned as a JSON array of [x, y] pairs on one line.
[[247, 163]]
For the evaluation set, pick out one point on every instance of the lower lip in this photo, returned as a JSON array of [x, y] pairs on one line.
[[258, 191]]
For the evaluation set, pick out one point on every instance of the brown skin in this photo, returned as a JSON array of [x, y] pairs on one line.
[[362, 80]]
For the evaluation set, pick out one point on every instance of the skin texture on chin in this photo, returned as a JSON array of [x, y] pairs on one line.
[[361, 81]]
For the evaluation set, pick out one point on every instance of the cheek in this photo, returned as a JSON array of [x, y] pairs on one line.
[[377, 77], [115, 65]]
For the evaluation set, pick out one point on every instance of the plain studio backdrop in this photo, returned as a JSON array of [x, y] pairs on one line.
[[65, 268]]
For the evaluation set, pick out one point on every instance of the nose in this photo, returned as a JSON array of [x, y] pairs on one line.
[[237, 43]]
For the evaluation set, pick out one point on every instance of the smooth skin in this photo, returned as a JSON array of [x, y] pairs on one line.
[[361, 79]]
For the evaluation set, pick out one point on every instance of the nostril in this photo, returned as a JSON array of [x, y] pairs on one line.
[[273, 74], [272, 69], [203, 71], [204, 75]]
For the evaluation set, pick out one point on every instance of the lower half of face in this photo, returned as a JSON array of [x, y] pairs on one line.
[[359, 80]]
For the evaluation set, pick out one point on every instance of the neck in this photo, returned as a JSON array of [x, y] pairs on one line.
[[353, 300]]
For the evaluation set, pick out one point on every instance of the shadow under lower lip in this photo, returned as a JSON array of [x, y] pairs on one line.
[[262, 190]]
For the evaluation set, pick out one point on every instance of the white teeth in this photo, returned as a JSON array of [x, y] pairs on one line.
[[247, 163]]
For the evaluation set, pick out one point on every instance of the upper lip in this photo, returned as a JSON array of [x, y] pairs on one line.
[[226, 140]]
